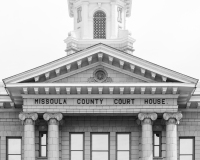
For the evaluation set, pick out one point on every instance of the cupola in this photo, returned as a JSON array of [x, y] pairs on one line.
[[99, 21]]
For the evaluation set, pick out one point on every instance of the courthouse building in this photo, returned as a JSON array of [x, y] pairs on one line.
[[100, 102]]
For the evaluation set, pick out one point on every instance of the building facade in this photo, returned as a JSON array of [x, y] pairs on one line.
[[100, 102]]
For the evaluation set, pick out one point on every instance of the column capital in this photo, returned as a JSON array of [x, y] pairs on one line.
[[172, 118], [28, 118], [53, 118], [152, 116], [147, 118]]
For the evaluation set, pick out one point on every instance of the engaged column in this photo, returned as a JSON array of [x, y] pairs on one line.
[[172, 119], [147, 134], [29, 134], [53, 134]]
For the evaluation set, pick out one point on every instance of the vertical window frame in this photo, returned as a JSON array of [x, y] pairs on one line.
[[119, 19], [7, 146], [70, 140], [129, 144], [193, 149], [79, 17], [40, 143], [100, 133], [160, 143]]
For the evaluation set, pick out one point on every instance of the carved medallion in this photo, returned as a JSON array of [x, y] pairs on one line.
[[100, 75]]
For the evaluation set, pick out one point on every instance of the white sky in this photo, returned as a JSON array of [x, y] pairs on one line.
[[167, 33]]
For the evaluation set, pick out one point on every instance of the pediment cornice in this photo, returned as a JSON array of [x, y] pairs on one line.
[[124, 61]]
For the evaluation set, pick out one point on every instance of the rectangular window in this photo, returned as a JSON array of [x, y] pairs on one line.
[[187, 148], [43, 143], [14, 148], [76, 146], [100, 146], [123, 146], [157, 144]]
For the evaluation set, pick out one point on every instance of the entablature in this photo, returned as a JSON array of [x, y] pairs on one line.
[[149, 90]]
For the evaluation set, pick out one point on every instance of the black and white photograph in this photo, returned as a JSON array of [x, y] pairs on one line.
[[99, 80]]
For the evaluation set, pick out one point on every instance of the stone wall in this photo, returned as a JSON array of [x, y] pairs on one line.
[[11, 126], [190, 127], [111, 125]]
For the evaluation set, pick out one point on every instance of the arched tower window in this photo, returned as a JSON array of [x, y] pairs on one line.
[[99, 25]]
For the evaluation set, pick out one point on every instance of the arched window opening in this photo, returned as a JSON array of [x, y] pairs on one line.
[[99, 25]]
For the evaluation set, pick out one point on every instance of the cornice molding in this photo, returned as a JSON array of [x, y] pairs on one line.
[[73, 72], [100, 64], [127, 72], [10, 85], [32, 96]]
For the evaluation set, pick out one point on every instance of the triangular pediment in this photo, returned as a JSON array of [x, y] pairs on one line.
[[88, 76], [103, 55]]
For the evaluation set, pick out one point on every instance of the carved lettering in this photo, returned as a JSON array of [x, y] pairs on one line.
[[155, 101], [50, 101], [123, 101], [102, 101]]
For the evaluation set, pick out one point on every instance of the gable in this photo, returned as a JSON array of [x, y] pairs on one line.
[[116, 76], [95, 55]]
